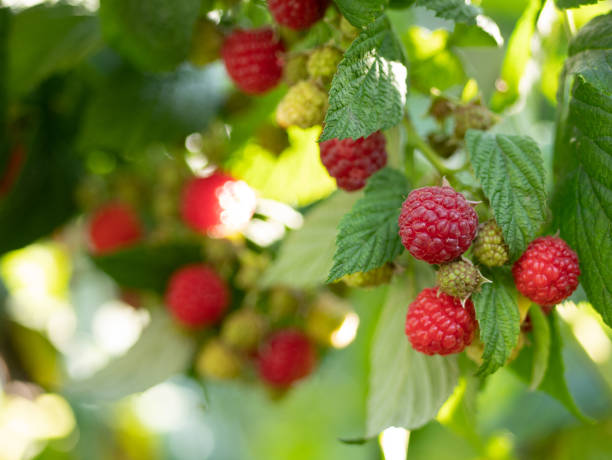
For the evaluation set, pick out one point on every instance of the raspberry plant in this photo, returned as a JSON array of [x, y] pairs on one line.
[[265, 181]]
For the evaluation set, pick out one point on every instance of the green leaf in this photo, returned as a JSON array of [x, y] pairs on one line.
[[573, 3], [499, 320], [517, 56], [583, 159], [368, 92], [455, 10], [541, 351], [305, 257], [368, 234], [407, 388], [135, 371], [153, 34], [511, 172], [47, 39], [129, 110], [147, 266], [363, 12], [485, 33]]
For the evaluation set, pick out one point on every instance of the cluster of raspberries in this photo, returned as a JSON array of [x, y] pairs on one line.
[[438, 225]]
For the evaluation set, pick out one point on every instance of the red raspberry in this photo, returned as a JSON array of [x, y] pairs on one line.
[[218, 204], [437, 324], [351, 162], [547, 272], [112, 227], [287, 356], [297, 14], [437, 224], [253, 59], [197, 296]]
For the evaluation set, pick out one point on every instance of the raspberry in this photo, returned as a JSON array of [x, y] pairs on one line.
[[437, 224], [304, 105], [297, 14], [472, 116], [282, 303], [286, 357], [253, 59], [325, 317], [217, 361], [547, 272], [295, 69], [112, 227], [323, 62], [376, 277], [437, 323], [459, 278], [197, 296], [206, 43], [351, 162], [243, 329], [489, 245], [218, 204]]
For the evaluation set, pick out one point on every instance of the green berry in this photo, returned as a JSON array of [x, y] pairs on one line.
[[282, 303], [325, 316], [243, 330], [216, 360], [295, 69], [206, 43], [489, 246], [472, 116], [348, 30], [304, 105], [323, 62], [459, 278], [376, 277]]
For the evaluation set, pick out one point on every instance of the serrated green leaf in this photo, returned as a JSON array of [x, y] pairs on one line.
[[46, 39], [368, 234], [135, 371], [583, 159], [155, 34], [363, 12], [147, 266], [499, 319], [573, 3], [517, 56], [455, 10], [407, 388], [368, 92], [306, 255], [541, 351], [511, 172]]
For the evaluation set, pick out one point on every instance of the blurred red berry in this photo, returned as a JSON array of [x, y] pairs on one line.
[[297, 14], [286, 357], [196, 296], [253, 59], [352, 162], [114, 226], [217, 205], [547, 272], [437, 324]]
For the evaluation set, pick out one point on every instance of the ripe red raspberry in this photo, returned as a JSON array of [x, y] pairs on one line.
[[297, 14], [112, 227], [437, 324], [196, 296], [218, 204], [253, 59], [437, 224], [286, 357], [547, 272], [351, 162]]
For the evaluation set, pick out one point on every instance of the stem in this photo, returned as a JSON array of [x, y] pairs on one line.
[[409, 162], [417, 142]]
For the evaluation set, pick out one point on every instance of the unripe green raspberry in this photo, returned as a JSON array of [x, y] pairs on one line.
[[325, 316], [216, 360], [295, 69], [376, 277], [472, 116], [489, 246], [304, 105], [459, 278], [323, 62], [243, 330], [282, 303], [206, 43], [349, 31]]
